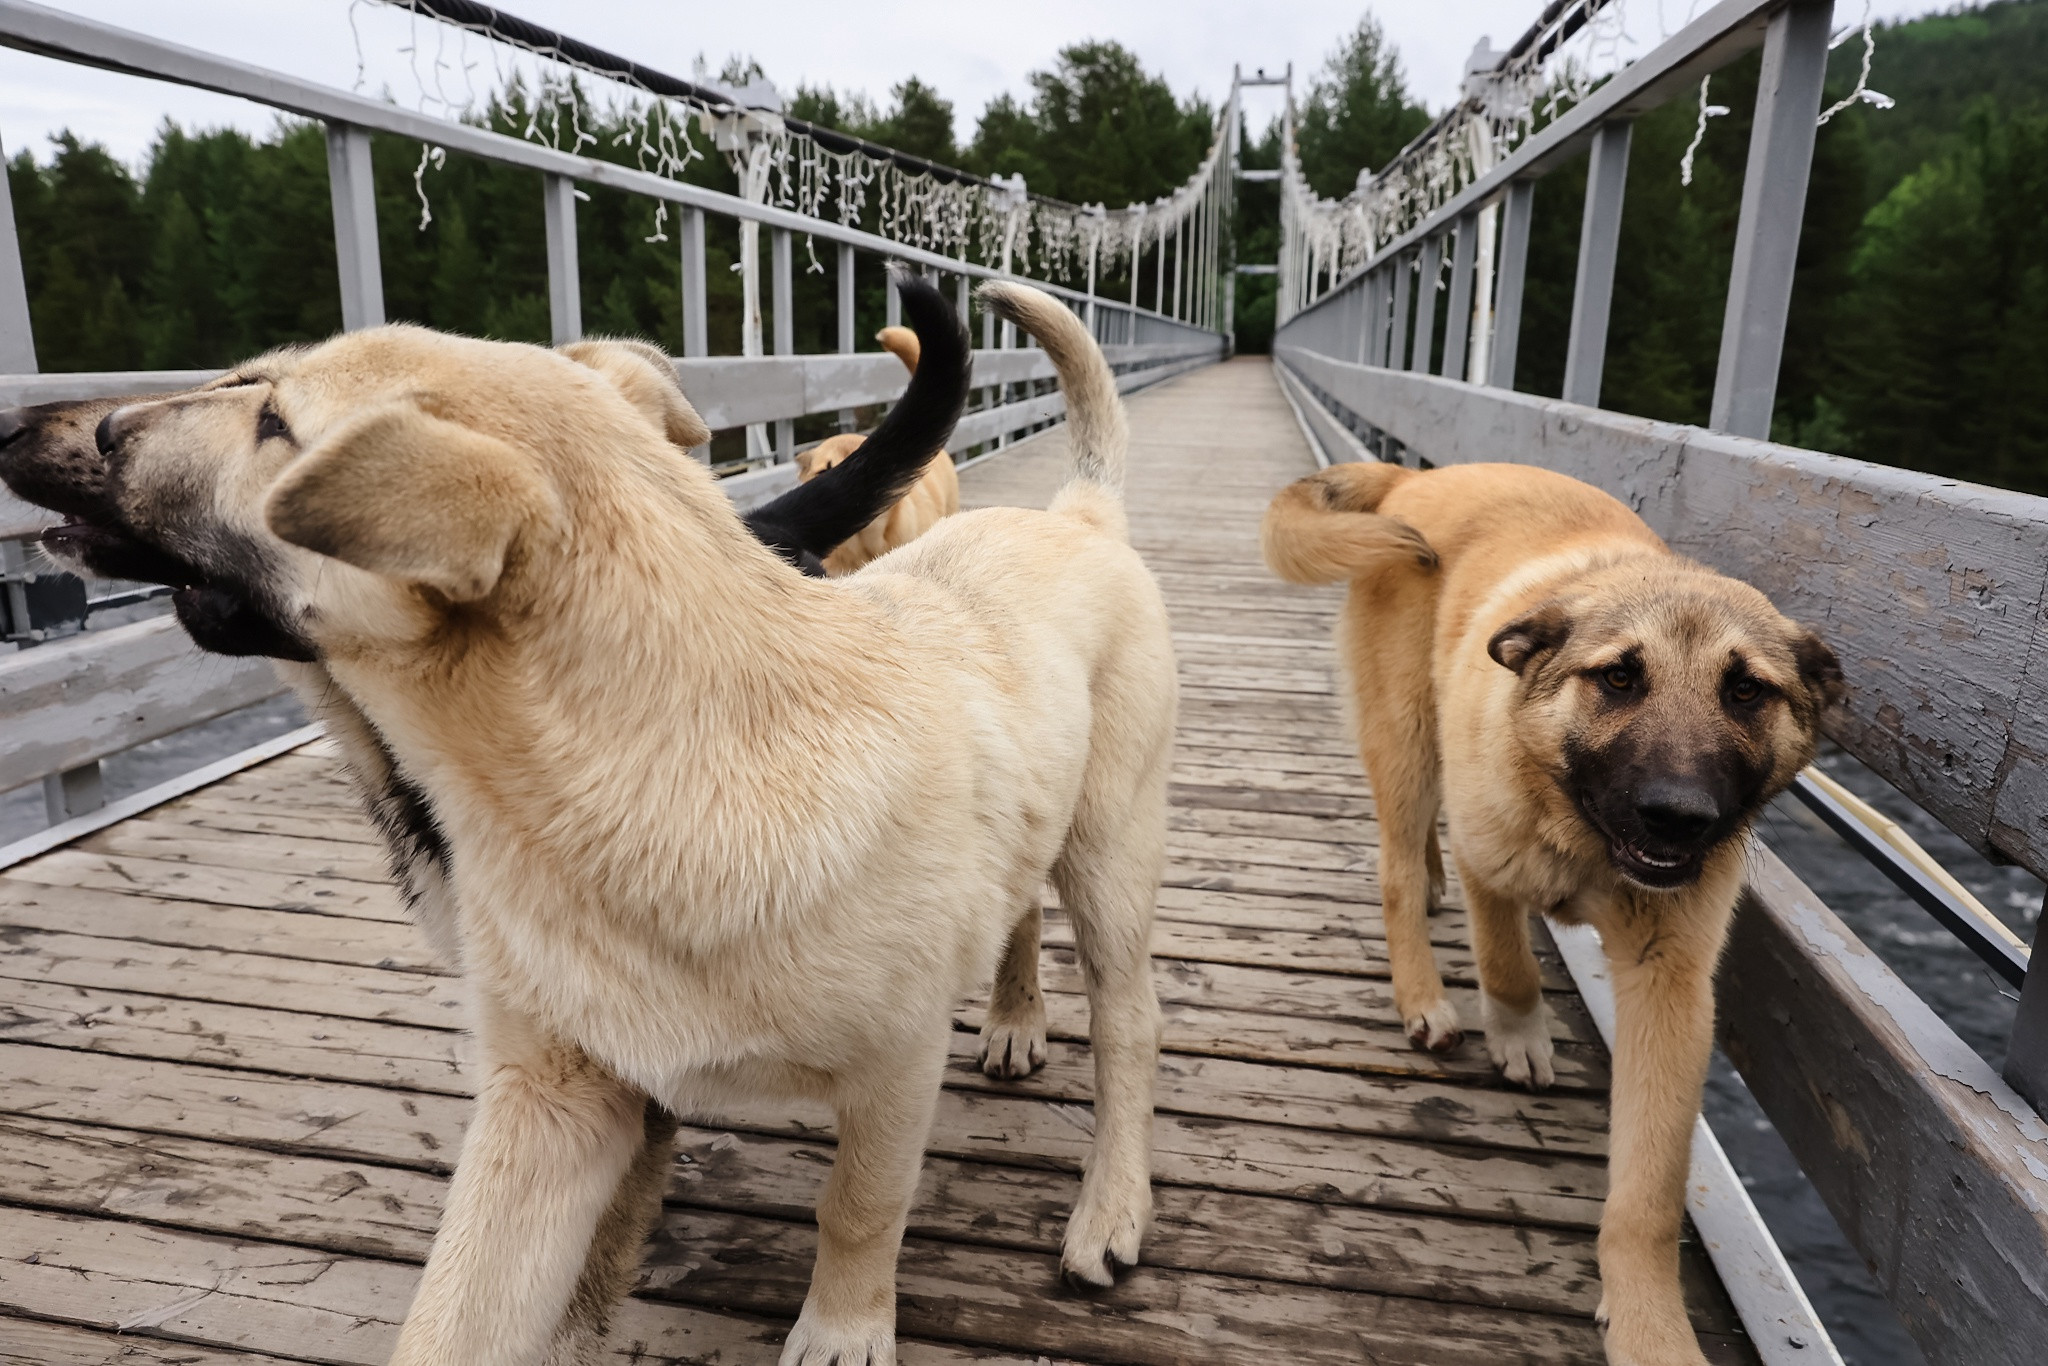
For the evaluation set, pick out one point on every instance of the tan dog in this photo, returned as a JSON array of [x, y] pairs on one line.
[[934, 496], [1600, 721], [678, 877]]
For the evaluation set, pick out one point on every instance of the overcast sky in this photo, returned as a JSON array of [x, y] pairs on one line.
[[970, 51]]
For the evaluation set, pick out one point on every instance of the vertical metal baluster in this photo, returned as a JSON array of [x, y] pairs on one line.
[[565, 289], [1159, 289], [696, 321], [17, 332], [1507, 296], [892, 303], [354, 197], [2026, 1052], [696, 324], [1376, 318], [1425, 303], [1773, 202], [1585, 352], [848, 419], [782, 249], [1397, 340], [1458, 310]]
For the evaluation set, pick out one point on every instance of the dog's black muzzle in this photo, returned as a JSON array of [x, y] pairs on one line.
[[62, 456]]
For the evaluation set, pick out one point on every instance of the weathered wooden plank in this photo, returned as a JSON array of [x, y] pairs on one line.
[[329, 989], [367, 1210], [215, 1292], [1936, 1171], [1213, 1010], [31, 1342], [124, 1031], [68, 703], [302, 856], [253, 887], [203, 925]]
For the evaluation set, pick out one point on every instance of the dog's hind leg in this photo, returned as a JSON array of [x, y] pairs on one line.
[[1013, 1036], [1385, 641], [614, 1257], [553, 1138], [1108, 879], [885, 1118], [1510, 986]]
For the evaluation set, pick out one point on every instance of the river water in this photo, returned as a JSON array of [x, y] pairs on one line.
[[1975, 1004]]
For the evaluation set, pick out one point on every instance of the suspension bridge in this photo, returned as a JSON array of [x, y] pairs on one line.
[[233, 1079]]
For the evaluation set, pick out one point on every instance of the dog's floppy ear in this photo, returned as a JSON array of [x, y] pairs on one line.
[[1819, 670], [412, 497], [647, 378], [1533, 633]]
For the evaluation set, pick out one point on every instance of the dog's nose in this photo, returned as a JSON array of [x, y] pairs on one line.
[[1675, 811], [13, 422]]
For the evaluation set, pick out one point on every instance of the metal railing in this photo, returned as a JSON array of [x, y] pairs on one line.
[[1929, 589], [74, 702]]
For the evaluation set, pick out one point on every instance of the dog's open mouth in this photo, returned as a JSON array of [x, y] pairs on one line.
[[116, 555], [219, 619], [1660, 870]]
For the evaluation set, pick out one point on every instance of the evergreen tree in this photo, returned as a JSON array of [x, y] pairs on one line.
[[1357, 114], [1098, 130], [1946, 335]]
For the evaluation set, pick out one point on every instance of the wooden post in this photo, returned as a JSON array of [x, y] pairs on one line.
[[1773, 202], [1599, 244], [1425, 303], [696, 328], [565, 289], [782, 247], [1458, 310], [1507, 297], [353, 194]]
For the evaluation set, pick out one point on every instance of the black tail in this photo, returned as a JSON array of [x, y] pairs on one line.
[[807, 523]]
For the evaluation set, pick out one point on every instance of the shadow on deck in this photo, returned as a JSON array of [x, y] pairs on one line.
[[233, 1084]]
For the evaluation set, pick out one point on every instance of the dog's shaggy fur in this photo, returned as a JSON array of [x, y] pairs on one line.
[[677, 876], [935, 495], [1600, 721]]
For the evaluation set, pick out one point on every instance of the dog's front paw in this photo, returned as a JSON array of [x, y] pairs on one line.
[[1434, 1028], [1106, 1229], [1645, 1337], [1013, 1048], [816, 1342], [1518, 1041]]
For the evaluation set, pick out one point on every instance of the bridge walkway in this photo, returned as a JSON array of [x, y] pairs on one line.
[[232, 1082]]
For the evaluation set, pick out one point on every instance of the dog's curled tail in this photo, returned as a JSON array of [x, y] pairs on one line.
[[1096, 434], [1323, 529], [901, 343]]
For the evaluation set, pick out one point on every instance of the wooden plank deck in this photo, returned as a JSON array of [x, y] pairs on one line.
[[232, 1083]]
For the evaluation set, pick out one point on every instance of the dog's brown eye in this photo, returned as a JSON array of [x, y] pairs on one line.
[[1745, 691], [1618, 679], [270, 427]]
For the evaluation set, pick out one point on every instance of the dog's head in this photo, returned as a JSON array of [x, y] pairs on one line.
[[1669, 703], [65, 457], [833, 450]]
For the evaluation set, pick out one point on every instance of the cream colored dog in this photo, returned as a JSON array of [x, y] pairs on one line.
[[1600, 721], [678, 876], [935, 495]]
